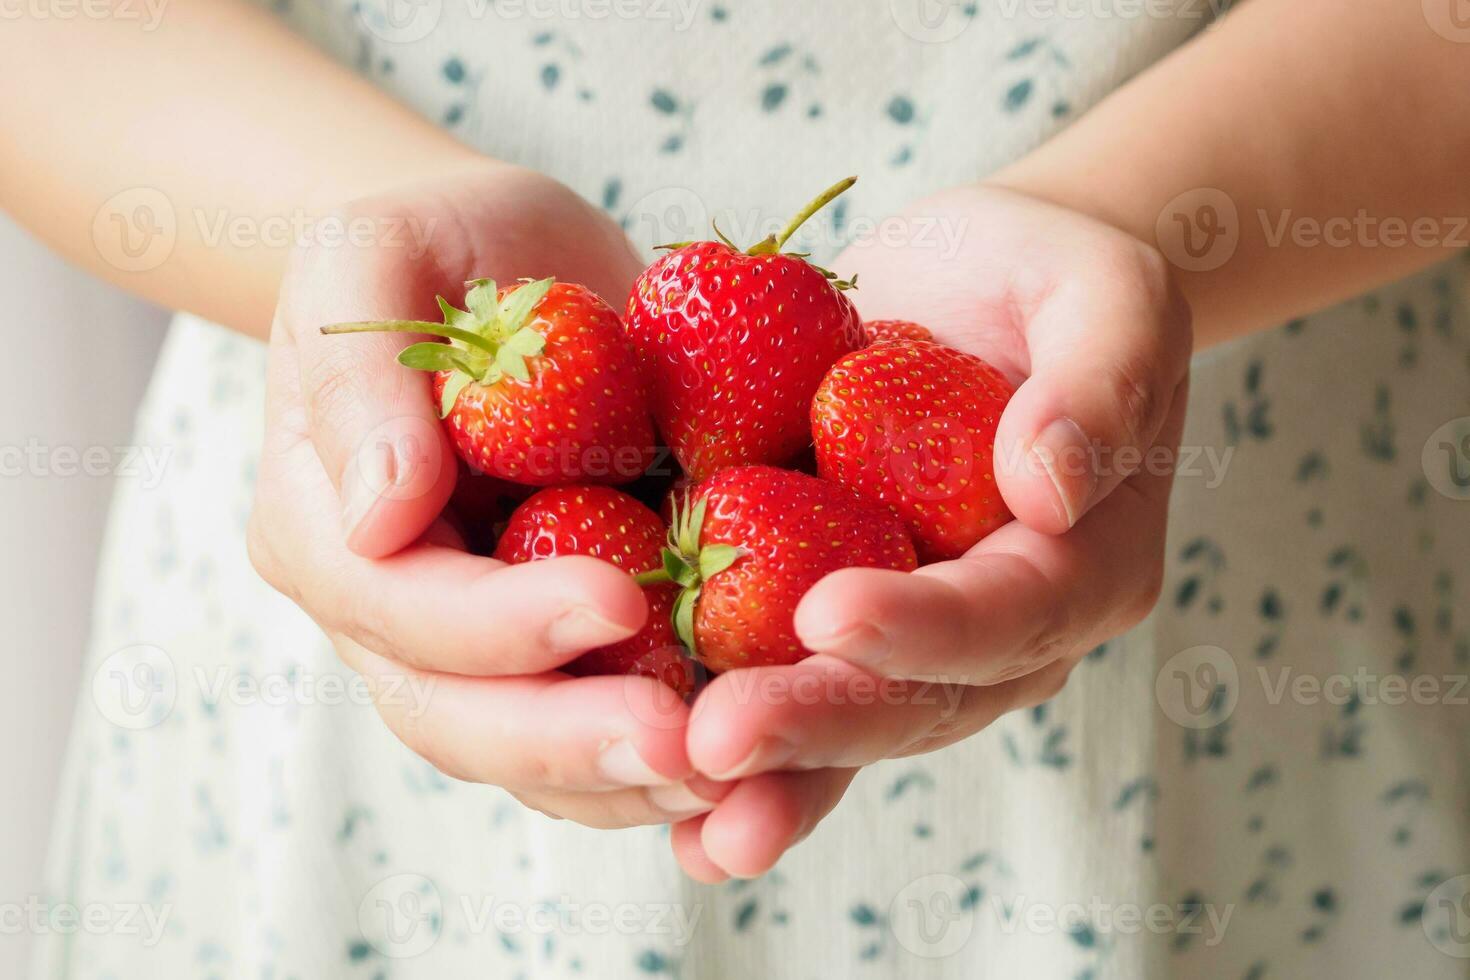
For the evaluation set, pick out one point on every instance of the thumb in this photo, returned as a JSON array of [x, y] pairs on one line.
[[372, 421], [1109, 353]]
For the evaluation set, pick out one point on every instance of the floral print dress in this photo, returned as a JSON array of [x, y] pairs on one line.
[[1270, 778]]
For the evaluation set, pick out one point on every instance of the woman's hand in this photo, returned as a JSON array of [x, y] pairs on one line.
[[356, 470], [1089, 318]]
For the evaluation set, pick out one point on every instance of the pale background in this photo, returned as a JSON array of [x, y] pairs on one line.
[[77, 355]]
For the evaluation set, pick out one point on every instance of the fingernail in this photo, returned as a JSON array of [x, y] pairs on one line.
[[679, 800], [1064, 454], [769, 753], [862, 643], [362, 486], [580, 629], [620, 763]]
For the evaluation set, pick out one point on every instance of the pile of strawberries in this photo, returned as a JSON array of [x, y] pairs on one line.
[[806, 441]]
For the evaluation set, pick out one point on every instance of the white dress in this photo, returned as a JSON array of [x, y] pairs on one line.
[[1175, 811]]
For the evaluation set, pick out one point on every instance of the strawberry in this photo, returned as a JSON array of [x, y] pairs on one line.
[[604, 523], [735, 343], [876, 330], [911, 425], [538, 384], [746, 546]]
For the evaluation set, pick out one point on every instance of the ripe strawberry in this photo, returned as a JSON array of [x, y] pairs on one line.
[[735, 343], [606, 524], [747, 545], [911, 425], [538, 384], [877, 330]]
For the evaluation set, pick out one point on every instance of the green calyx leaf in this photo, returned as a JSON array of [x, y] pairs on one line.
[[689, 565], [489, 340]]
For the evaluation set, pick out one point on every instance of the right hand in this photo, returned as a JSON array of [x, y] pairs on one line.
[[355, 472]]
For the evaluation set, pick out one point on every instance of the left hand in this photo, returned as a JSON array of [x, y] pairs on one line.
[[1090, 319]]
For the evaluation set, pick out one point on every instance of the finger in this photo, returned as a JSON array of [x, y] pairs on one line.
[[430, 605], [824, 713], [372, 421], [767, 815], [1108, 348], [544, 734], [637, 807], [1016, 602], [684, 838]]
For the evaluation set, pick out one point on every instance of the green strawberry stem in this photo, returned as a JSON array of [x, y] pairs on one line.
[[689, 566], [771, 244], [488, 340], [412, 326]]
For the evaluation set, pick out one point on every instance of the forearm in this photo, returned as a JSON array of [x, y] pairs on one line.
[[1348, 118], [247, 132]]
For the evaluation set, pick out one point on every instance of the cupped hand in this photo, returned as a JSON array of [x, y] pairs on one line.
[[356, 470], [1087, 319]]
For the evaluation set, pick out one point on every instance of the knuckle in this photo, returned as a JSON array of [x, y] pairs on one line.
[[333, 384], [1138, 399]]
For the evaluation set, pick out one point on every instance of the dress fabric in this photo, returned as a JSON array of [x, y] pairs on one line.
[[1181, 809]]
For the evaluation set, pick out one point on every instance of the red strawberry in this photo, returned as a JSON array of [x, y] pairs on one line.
[[606, 524], [538, 384], [877, 330], [735, 343], [749, 543], [911, 425]]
